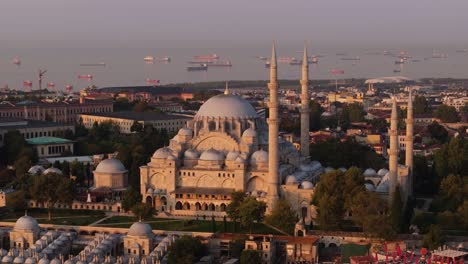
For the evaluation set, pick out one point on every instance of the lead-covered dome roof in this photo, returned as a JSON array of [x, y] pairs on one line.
[[212, 155], [110, 166], [226, 105], [259, 156], [140, 229], [162, 153], [26, 223]]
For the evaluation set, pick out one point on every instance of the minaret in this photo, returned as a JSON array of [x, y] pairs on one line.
[[393, 152], [409, 143], [226, 90], [273, 125], [305, 139]]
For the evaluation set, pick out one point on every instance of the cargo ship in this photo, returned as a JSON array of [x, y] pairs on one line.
[[148, 58], [351, 58], [16, 61], [400, 61], [206, 57], [314, 60], [93, 64], [201, 67], [226, 63]]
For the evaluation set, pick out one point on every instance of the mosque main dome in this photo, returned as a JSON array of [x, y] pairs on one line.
[[226, 105], [26, 223], [110, 166], [140, 229]]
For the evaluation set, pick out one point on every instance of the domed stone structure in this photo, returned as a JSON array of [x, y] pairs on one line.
[[36, 169], [139, 240], [226, 105], [212, 155], [25, 232], [111, 173]]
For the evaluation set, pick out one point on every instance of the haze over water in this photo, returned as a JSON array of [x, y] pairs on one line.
[[59, 35]]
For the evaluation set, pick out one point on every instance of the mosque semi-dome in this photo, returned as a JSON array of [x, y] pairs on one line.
[[226, 105], [162, 153], [185, 132], [290, 180], [250, 132], [26, 223], [36, 169], [140, 229], [382, 172], [259, 156], [110, 166], [307, 185], [212, 155], [232, 155], [191, 154], [370, 172]]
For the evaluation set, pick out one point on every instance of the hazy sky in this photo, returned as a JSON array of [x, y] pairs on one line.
[[177, 23]]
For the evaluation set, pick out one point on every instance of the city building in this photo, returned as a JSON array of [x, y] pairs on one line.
[[60, 112], [33, 128], [150, 94], [457, 102], [125, 120], [51, 146]]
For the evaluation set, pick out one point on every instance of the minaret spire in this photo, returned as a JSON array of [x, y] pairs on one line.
[[305, 139], [409, 142], [226, 90], [393, 152], [273, 127]]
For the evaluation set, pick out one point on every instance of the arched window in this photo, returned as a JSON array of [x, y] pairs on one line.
[[178, 206], [212, 207], [223, 207], [186, 206]]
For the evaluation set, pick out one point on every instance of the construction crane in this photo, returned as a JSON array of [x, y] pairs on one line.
[[40, 75]]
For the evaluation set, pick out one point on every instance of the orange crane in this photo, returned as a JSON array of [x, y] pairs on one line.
[[40, 75]]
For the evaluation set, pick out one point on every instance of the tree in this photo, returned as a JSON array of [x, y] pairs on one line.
[[232, 209], [130, 198], [329, 199], [236, 247], [250, 211], [136, 127], [185, 250], [250, 257], [454, 191], [438, 132], [213, 224], [368, 211], [316, 111], [141, 106], [380, 124], [448, 114], [14, 143], [420, 105], [434, 238], [50, 189], [77, 170], [396, 210], [17, 201], [463, 214], [282, 216], [143, 211], [452, 158]]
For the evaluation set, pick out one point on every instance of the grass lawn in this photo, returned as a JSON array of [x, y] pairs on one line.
[[348, 250], [80, 221], [185, 225], [59, 216]]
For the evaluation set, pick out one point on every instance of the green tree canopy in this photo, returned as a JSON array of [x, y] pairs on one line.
[[251, 211], [185, 250], [130, 198], [232, 209], [438, 132], [434, 238], [420, 105], [250, 257], [50, 189], [448, 114], [143, 211], [283, 217]]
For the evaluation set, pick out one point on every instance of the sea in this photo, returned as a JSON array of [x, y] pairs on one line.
[[125, 66]]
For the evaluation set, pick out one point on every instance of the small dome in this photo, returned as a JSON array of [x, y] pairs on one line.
[[382, 187], [232, 155], [382, 172], [249, 133], [185, 131], [26, 223], [36, 169], [110, 166], [43, 261], [52, 170], [55, 261], [30, 260], [140, 229], [191, 154], [162, 153], [343, 169], [19, 260], [7, 259], [369, 186], [370, 172], [328, 169], [240, 160], [226, 105], [259, 156], [212, 155], [290, 180], [307, 185]]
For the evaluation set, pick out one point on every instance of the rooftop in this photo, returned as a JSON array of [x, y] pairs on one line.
[[12, 124], [47, 141], [139, 116], [145, 89]]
